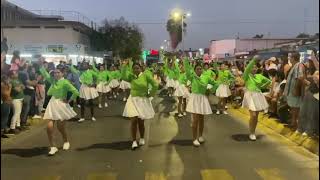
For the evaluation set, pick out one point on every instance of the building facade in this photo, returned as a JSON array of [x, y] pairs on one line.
[[234, 47], [52, 37]]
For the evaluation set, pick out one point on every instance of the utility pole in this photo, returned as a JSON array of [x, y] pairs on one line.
[[304, 21]]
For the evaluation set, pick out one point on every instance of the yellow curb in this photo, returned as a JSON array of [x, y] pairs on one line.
[[308, 143], [300, 140], [289, 134], [283, 130], [271, 124], [296, 137], [35, 121], [312, 145]]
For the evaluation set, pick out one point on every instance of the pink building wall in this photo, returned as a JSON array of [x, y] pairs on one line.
[[219, 48]]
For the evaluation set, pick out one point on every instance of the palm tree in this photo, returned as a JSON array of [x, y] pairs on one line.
[[175, 31]]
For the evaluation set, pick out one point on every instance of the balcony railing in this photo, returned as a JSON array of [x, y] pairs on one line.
[[67, 16]]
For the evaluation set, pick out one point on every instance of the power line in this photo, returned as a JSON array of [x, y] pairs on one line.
[[235, 22]]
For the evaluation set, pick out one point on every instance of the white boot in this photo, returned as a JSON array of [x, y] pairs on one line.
[[66, 146], [252, 137], [141, 142], [53, 151], [196, 143], [134, 145]]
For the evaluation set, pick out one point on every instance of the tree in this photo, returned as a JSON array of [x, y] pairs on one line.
[[303, 35], [174, 29], [316, 36], [97, 41], [258, 36], [123, 38]]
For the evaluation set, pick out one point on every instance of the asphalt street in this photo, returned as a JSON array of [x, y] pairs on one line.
[[101, 150]]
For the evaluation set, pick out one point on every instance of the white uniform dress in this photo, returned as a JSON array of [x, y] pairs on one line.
[[114, 83], [199, 104], [125, 85], [255, 101], [223, 91], [181, 91], [58, 110], [140, 107], [87, 92], [103, 87], [171, 83]]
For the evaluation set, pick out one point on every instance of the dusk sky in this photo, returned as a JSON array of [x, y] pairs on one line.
[[211, 19]]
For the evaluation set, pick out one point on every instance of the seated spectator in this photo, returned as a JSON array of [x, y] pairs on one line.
[[282, 106], [274, 94]]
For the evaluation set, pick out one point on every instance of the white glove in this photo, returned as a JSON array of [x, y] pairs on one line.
[[209, 86]]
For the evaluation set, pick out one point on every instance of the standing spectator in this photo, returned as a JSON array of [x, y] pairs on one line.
[[40, 94], [17, 96], [294, 87], [6, 101], [29, 95], [32, 91], [309, 113], [4, 45], [4, 66], [61, 65]]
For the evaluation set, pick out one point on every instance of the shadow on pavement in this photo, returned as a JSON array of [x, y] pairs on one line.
[[244, 137], [182, 142], [121, 146], [27, 153]]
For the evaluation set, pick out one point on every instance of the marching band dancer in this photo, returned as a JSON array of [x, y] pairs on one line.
[[198, 103], [169, 70], [102, 84], [58, 109], [125, 87], [181, 91], [138, 107], [253, 99], [88, 91], [114, 75], [223, 91]]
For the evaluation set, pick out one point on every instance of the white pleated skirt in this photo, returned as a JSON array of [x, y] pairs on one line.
[[198, 104], [102, 87], [170, 83], [140, 107], [87, 92], [255, 101], [114, 83], [125, 85], [57, 110], [223, 91], [181, 91]]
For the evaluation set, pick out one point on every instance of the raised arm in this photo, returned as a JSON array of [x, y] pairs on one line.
[[249, 68], [44, 73], [94, 68], [74, 70], [126, 72], [188, 69]]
